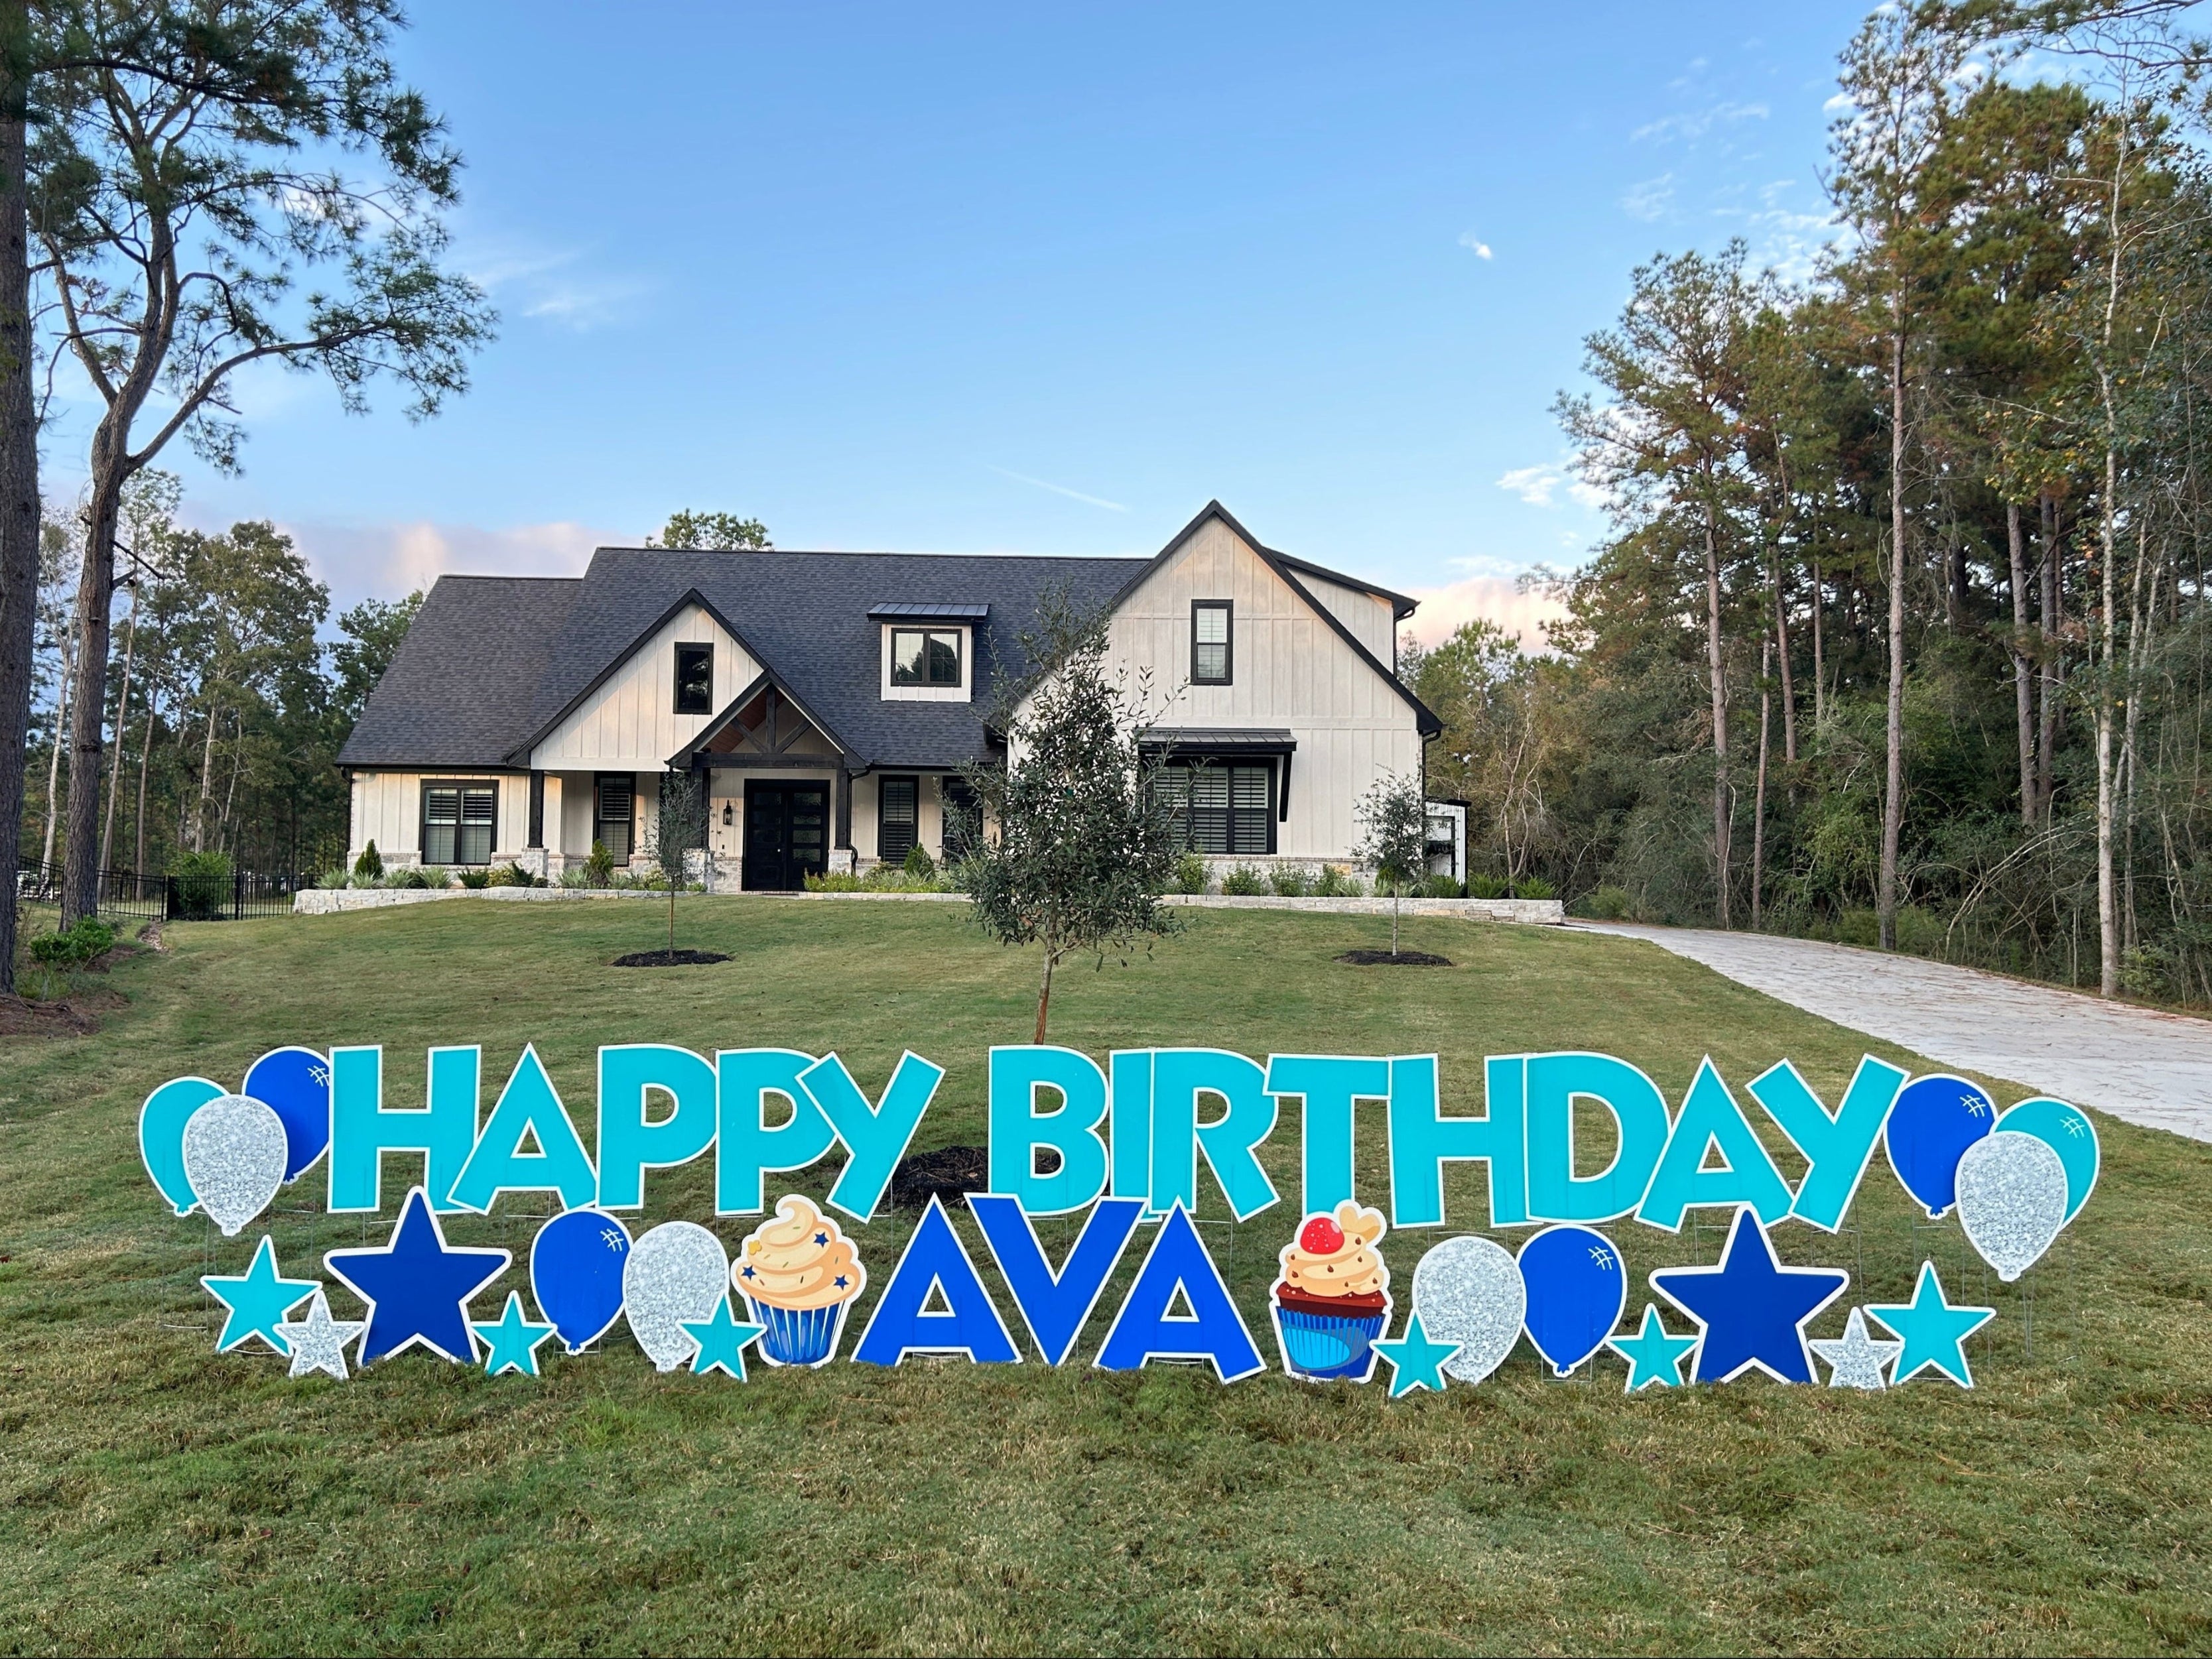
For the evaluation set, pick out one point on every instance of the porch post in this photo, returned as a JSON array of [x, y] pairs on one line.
[[841, 788], [537, 810]]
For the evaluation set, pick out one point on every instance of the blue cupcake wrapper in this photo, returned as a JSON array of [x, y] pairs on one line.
[[797, 1336], [1329, 1346]]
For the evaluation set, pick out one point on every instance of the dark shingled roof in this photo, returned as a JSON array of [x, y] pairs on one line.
[[449, 698], [493, 664]]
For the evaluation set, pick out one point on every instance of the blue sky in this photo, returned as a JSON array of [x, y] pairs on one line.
[[1044, 278]]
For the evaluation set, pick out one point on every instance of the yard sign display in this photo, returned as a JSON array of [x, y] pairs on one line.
[[1118, 1146]]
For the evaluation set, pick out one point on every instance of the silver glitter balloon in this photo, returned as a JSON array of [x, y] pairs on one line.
[[2012, 1199], [677, 1271], [234, 1159], [1468, 1290]]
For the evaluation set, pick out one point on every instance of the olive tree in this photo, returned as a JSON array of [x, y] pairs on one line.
[[1393, 830], [1079, 846], [679, 825]]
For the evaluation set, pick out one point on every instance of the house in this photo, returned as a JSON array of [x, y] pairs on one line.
[[832, 700]]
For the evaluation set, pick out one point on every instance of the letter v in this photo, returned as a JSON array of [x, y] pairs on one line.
[[1055, 1306]]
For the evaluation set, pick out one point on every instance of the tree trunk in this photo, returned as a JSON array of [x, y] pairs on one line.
[[1788, 687], [2139, 628], [121, 719], [1893, 803], [18, 479], [1820, 670], [2023, 699], [145, 755], [2054, 660], [1759, 799], [2108, 910], [62, 695], [1714, 665], [95, 593], [1044, 996], [207, 777]]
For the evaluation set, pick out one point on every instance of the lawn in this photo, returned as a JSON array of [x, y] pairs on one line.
[[155, 1496]]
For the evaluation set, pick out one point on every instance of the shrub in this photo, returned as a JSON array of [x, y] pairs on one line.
[[1290, 882], [599, 867], [833, 881], [1244, 881], [333, 878], [575, 877], [1189, 875], [918, 864], [1486, 887], [436, 877], [511, 875], [1440, 886], [405, 876], [475, 880], [1335, 882], [370, 863], [1604, 904], [202, 884], [74, 947], [1534, 886]]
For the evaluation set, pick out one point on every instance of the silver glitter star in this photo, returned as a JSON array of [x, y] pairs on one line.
[[318, 1342], [1856, 1360]]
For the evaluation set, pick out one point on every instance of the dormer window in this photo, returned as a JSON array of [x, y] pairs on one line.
[[926, 656], [695, 679], [1210, 662]]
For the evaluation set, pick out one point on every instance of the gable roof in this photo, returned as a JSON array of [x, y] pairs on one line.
[[1284, 566], [454, 693], [492, 664]]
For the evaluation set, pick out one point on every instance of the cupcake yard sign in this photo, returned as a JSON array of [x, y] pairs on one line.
[[1118, 1146]]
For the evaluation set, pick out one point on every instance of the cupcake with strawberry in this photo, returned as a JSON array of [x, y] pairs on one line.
[[1332, 1297]]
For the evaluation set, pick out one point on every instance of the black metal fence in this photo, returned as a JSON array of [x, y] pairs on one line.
[[126, 894]]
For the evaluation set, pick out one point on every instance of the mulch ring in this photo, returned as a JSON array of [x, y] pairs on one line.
[[670, 959], [945, 1175], [68, 1016], [1403, 958]]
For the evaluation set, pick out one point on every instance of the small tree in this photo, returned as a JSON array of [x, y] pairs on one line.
[[1085, 846], [679, 826], [715, 532], [1394, 823]]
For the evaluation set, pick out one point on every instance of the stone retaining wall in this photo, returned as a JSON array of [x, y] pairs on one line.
[[1542, 912]]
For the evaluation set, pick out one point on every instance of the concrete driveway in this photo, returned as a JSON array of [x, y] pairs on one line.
[[2138, 1064]]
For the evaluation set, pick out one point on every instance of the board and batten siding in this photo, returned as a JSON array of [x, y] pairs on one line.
[[1290, 669], [387, 810], [1373, 622], [629, 723]]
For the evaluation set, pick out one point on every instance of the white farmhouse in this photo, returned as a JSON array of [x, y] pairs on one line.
[[830, 700]]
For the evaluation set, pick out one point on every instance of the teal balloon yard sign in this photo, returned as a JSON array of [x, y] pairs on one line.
[[1118, 1146]]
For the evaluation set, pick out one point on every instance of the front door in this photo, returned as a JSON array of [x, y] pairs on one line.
[[786, 834]]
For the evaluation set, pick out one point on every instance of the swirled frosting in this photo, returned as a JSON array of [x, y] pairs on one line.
[[799, 1260], [1353, 1268]]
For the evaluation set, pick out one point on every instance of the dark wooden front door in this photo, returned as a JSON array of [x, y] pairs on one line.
[[786, 834]]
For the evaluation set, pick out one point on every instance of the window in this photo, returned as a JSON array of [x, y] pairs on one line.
[[458, 822], [896, 813], [925, 657], [1210, 660], [695, 679], [1223, 807], [614, 807]]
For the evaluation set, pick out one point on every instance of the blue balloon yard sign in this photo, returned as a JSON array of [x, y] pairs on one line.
[[1123, 1143]]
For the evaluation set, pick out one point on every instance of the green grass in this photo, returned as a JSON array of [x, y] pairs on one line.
[[155, 1496]]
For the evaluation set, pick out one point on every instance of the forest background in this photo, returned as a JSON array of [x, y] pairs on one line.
[[1898, 637]]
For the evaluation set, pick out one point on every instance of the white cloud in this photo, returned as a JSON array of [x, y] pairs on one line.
[[1494, 598], [1652, 199], [546, 285], [1468, 238], [1690, 125], [1061, 489], [1534, 485], [389, 560]]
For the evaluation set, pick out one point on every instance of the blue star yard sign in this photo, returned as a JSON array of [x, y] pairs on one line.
[[513, 1341], [258, 1301], [721, 1342], [417, 1288], [1751, 1310], [1417, 1359], [1934, 1331], [1653, 1356]]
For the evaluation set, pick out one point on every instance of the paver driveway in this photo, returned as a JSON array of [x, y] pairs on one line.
[[2139, 1065]]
